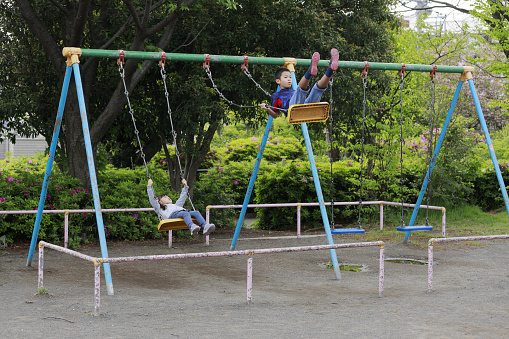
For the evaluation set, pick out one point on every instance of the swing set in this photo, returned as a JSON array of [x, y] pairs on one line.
[[164, 224], [298, 114]]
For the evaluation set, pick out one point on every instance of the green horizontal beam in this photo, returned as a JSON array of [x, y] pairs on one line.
[[359, 65]]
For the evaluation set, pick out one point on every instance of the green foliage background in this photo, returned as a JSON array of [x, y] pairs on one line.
[[470, 179], [360, 30]]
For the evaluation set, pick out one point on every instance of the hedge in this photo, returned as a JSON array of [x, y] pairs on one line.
[[224, 184]]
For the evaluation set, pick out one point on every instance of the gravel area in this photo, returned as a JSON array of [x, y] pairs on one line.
[[294, 294]]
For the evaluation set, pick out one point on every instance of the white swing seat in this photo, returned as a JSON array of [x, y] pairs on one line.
[[304, 113], [173, 224], [415, 228], [347, 230]]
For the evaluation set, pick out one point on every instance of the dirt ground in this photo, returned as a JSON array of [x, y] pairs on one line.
[[294, 295]]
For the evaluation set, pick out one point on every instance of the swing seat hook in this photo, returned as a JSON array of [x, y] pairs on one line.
[[121, 56], [366, 68], [402, 71], [246, 61], [433, 74], [206, 64], [162, 62]]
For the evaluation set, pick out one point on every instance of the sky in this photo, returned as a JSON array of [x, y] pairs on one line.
[[453, 18]]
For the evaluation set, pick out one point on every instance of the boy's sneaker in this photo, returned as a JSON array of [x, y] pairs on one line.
[[208, 228], [313, 69], [195, 229], [334, 58]]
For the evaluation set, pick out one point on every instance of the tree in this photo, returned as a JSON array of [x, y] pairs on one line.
[[458, 154], [493, 13], [255, 27], [49, 26]]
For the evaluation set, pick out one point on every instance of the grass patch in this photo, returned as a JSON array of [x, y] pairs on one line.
[[345, 267], [407, 261], [42, 291], [461, 221]]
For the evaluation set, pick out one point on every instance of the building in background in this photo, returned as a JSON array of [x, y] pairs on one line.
[[23, 146], [441, 14]]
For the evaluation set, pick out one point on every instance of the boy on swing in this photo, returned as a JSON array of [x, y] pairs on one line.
[[165, 209], [287, 97]]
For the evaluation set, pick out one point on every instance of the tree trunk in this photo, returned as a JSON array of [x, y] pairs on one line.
[[74, 139], [76, 20], [332, 152]]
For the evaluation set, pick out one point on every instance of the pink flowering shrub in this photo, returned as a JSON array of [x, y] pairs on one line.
[[21, 182]]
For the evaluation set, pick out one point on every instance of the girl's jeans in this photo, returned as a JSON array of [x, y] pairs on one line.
[[187, 215]]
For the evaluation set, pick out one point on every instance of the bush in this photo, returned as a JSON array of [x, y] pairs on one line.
[[284, 176], [487, 194], [276, 149], [21, 186], [293, 182]]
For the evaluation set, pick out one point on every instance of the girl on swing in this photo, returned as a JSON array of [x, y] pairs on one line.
[[165, 209]]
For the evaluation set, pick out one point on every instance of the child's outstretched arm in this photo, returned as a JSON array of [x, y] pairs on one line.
[[152, 197], [183, 195], [269, 110]]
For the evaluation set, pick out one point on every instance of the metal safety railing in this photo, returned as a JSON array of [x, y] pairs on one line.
[[249, 253], [310, 204], [433, 241], [67, 212]]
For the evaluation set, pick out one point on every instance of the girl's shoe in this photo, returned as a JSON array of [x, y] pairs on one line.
[[208, 228], [195, 229]]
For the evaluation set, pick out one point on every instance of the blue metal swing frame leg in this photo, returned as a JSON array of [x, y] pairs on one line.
[[49, 165], [91, 168], [434, 158], [489, 143], [439, 144], [316, 181], [323, 211], [251, 183], [93, 178]]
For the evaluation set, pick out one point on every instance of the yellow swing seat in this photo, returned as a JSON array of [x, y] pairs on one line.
[[312, 112], [173, 224]]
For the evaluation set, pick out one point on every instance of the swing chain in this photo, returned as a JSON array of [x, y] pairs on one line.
[[206, 67], [431, 136], [231, 103], [401, 74], [121, 70], [331, 137], [364, 102], [173, 133], [246, 72]]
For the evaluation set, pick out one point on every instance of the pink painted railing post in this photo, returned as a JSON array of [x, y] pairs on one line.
[[66, 228], [381, 215], [382, 271], [298, 220], [433, 241], [443, 222], [170, 238], [97, 289], [41, 266], [430, 264], [249, 278], [207, 218]]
